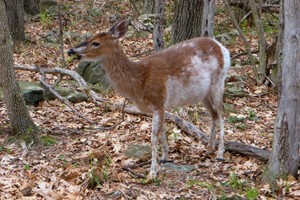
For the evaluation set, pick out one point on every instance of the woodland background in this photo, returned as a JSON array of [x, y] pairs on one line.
[[101, 151]]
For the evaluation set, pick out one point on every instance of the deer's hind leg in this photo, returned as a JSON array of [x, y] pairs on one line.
[[215, 108]]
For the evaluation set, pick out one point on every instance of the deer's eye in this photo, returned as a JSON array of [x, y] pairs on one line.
[[95, 44]]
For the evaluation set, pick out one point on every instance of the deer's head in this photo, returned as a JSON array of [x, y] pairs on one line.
[[97, 47]]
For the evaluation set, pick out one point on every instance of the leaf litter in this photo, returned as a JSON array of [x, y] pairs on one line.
[[88, 162]]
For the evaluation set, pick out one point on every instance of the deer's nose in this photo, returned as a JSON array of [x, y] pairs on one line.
[[71, 52]]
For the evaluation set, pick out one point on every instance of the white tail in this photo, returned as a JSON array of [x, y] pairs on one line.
[[187, 73]]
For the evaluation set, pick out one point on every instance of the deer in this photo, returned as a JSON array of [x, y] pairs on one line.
[[186, 73]]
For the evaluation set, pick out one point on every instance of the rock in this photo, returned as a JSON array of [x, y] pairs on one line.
[[138, 151], [147, 20], [33, 93], [50, 5], [93, 73], [70, 94], [179, 168]]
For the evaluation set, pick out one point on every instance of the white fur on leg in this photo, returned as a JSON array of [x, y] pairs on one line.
[[221, 140], [156, 123], [165, 147]]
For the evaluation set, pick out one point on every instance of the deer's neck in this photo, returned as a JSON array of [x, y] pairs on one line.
[[124, 75]]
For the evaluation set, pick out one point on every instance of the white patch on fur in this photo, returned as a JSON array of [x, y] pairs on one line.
[[226, 56], [192, 85], [155, 121], [79, 49]]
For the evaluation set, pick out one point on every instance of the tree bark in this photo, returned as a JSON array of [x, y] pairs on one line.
[[31, 7], [276, 70], [158, 29], [284, 157], [15, 16], [149, 6], [19, 117], [207, 29], [241, 34], [262, 69], [187, 20]]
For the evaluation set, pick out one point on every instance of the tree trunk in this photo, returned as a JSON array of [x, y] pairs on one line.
[[207, 29], [276, 70], [149, 6], [15, 15], [262, 69], [31, 7], [158, 31], [19, 118], [284, 158], [187, 20]]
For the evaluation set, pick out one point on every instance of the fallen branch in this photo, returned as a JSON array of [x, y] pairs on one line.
[[192, 130], [74, 75], [64, 100]]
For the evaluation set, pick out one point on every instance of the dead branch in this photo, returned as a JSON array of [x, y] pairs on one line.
[[268, 8], [241, 34], [61, 43], [192, 130], [64, 100], [74, 75], [243, 53]]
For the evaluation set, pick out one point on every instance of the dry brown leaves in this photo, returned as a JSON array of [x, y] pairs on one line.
[[88, 161]]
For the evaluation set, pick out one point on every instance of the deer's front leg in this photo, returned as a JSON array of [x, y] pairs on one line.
[[157, 128]]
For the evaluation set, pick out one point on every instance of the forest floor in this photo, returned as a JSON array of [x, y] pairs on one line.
[[89, 161]]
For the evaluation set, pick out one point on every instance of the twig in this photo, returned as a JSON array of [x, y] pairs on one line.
[[270, 80], [64, 100], [61, 44], [143, 52], [234, 21], [74, 75], [243, 53], [135, 174], [247, 95]]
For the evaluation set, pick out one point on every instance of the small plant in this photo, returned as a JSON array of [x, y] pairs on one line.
[[47, 140], [94, 178], [61, 157], [195, 182], [46, 19], [26, 167], [252, 194], [252, 115], [105, 169], [2, 147], [235, 183], [235, 119]]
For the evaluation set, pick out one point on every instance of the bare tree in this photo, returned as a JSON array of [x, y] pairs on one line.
[[15, 15], [262, 69], [187, 20], [284, 157], [19, 118], [158, 29], [208, 18]]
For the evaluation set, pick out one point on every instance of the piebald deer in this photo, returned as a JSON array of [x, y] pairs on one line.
[[186, 73]]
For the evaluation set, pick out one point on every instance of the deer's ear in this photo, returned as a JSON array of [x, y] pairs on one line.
[[119, 29]]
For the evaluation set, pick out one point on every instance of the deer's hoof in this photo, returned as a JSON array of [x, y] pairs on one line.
[[151, 176], [163, 161], [219, 159]]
